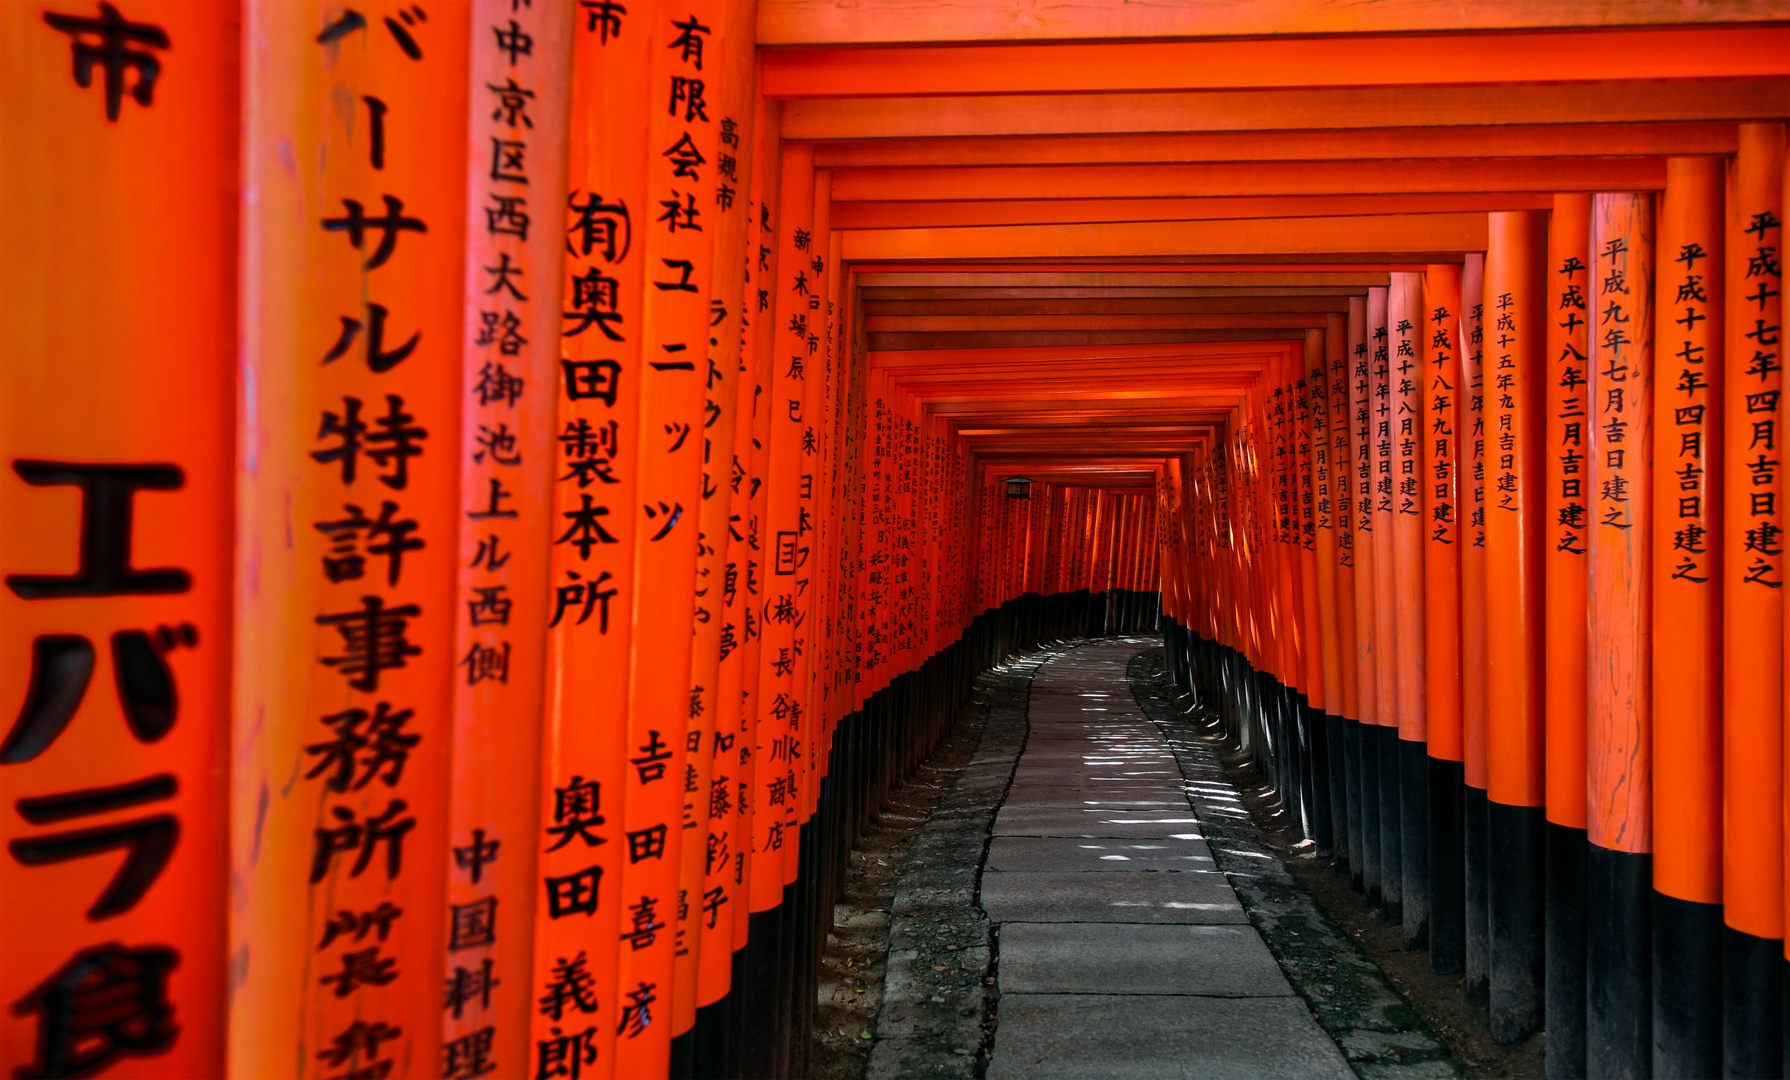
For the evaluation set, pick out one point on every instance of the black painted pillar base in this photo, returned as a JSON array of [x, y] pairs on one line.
[[1476, 941], [1414, 845], [1371, 848], [1618, 964], [1687, 989], [1336, 738], [1352, 797], [1565, 946], [1392, 829], [683, 1056], [758, 997], [1752, 1006], [709, 1038], [1516, 866], [1448, 917], [1323, 823]]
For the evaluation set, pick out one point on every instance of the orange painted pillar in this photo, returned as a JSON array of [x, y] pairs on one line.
[[720, 648], [1441, 394], [1383, 420], [1570, 509], [583, 840], [1753, 607], [516, 132], [117, 418], [816, 527], [1280, 587], [1361, 471], [810, 366], [1473, 626], [349, 513], [1406, 381], [349, 508], [1346, 736], [702, 901], [728, 466], [685, 42], [1619, 696], [1687, 575], [1316, 766], [761, 348], [1515, 315], [1325, 627], [775, 807]]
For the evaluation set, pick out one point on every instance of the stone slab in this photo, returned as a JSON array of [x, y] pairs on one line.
[[1061, 775], [1075, 1036], [1033, 793], [1034, 782], [1073, 896], [1124, 958], [1091, 726], [1033, 855], [1068, 821], [1096, 799], [1096, 759]]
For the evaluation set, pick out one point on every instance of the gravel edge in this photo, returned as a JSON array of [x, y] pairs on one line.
[[939, 1002], [1377, 1029]]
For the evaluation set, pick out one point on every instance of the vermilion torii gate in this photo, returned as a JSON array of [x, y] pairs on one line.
[[494, 491]]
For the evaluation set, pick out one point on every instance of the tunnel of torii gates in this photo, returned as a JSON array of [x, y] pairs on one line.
[[495, 492]]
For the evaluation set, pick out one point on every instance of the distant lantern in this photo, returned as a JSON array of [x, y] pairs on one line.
[[1019, 487]]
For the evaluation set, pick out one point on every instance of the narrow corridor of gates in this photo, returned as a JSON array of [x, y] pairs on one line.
[[1123, 951], [495, 491]]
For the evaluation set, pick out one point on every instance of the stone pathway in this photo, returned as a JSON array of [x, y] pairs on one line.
[[1123, 951]]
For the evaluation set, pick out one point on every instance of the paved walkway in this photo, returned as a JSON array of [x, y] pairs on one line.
[[1123, 952]]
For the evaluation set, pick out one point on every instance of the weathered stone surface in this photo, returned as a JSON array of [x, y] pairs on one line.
[[1071, 821], [1026, 854], [1135, 924], [1381, 1034], [1112, 898], [938, 983], [1125, 958], [1076, 1036]]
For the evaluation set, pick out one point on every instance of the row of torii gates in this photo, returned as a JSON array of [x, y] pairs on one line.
[[496, 491]]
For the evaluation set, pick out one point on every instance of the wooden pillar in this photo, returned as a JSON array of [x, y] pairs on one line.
[[584, 746], [509, 372], [1314, 643], [755, 935], [1570, 505], [119, 332], [1382, 425], [1346, 793], [352, 306], [1753, 609], [1326, 628], [1513, 366], [1442, 393], [1474, 720], [1619, 698], [1407, 384], [709, 796], [1361, 470], [1687, 576], [773, 811]]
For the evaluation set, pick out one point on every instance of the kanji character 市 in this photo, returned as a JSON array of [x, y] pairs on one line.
[[118, 45]]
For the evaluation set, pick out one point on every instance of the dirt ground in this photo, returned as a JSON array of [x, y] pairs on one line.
[[851, 986], [1441, 999]]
